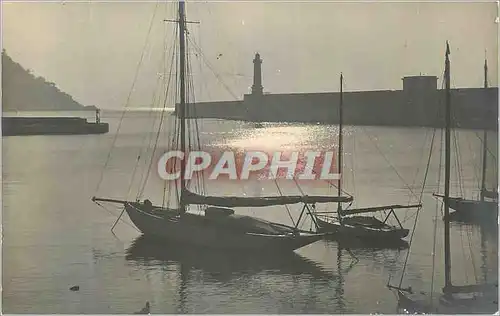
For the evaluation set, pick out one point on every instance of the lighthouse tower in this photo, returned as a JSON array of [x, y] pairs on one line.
[[257, 89]]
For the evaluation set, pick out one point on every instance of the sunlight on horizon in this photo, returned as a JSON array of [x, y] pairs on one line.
[[91, 49]]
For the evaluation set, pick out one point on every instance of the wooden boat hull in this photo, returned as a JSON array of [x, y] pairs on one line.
[[335, 229], [196, 230], [474, 208]]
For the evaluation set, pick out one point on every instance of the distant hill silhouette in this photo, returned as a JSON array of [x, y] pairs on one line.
[[22, 91]]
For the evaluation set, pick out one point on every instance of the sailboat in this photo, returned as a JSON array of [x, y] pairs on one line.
[[454, 299], [487, 205], [346, 225], [219, 227]]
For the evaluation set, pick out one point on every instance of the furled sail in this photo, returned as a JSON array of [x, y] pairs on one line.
[[236, 201], [377, 209]]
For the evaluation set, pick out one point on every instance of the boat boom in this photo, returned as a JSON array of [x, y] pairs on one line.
[[94, 199]]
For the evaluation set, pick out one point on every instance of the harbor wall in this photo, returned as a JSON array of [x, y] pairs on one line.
[[472, 108], [419, 103]]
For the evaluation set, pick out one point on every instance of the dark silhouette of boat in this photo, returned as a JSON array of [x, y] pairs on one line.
[[485, 208], [454, 299], [218, 227], [346, 224]]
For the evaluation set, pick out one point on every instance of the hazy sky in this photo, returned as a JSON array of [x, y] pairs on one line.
[[91, 49]]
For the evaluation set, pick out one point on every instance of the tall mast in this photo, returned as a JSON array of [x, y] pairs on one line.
[[341, 105], [485, 135], [182, 108], [447, 254]]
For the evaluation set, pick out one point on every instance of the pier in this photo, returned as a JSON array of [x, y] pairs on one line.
[[23, 126], [419, 104]]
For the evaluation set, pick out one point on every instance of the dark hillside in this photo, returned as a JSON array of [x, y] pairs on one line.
[[22, 91]]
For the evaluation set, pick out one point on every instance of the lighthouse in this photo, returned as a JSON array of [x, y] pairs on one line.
[[257, 89]]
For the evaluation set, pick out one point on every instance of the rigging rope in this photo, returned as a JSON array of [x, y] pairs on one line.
[[434, 237], [353, 164], [459, 184], [193, 139], [121, 218], [158, 131], [488, 150], [437, 203], [210, 67], [406, 218], [176, 136], [476, 168], [458, 164], [286, 206], [417, 213], [332, 184], [472, 255], [143, 149], [392, 167], [463, 254], [343, 83], [163, 82], [173, 144], [127, 103]]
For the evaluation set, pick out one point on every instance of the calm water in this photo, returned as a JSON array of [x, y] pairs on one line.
[[55, 237]]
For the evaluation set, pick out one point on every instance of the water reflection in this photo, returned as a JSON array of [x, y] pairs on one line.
[[283, 280], [487, 224], [375, 256], [219, 265], [466, 228], [369, 244], [488, 245]]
